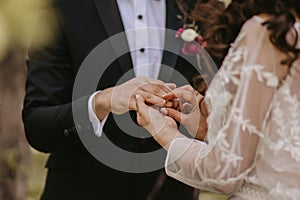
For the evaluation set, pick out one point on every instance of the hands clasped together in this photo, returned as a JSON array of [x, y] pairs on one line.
[[183, 106], [158, 105]]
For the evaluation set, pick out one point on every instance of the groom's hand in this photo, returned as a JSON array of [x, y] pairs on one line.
[[121, 98]]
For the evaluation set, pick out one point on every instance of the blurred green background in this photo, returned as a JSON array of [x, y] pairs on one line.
[[37, 175]]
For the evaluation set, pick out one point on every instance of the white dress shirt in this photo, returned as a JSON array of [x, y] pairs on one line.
[[139, 15]]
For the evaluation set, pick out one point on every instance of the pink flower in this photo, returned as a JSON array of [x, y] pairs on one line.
[[199, 39], [190, 49], [179, 32], [193, 42], [204, 44]]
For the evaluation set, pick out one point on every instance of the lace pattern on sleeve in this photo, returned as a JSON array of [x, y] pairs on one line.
[[235, 122]]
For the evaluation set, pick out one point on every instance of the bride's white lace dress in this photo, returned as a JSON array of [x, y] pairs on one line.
[[253, 149]]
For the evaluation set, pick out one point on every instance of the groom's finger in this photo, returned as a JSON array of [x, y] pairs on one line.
[[152, 99], [186, 94], [172, 86], [158, 89]]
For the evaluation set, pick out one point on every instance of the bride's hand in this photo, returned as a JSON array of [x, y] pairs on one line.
[[188, 113], [162, 128]]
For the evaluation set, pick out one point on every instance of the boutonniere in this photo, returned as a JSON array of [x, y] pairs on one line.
[[193, 45], [193, 42], [190, 34]]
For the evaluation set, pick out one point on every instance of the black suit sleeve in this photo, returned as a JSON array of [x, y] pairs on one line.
[[47, 112]]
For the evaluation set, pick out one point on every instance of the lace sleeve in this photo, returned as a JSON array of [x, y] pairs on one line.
[[238, 100]]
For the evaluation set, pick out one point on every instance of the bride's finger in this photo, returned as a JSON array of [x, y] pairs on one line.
[[187, 93], [172, 113], [186, 108], [170, 96], [172, 104], [142, 111]]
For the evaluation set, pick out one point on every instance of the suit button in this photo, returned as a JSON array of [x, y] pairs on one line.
[[66, 132], [75, 129], [78, 127]]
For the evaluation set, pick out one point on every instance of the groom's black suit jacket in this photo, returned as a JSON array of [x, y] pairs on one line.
[[73, 173]]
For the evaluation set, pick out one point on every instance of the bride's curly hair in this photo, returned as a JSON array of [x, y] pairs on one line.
[[281, 23], [219, 26]]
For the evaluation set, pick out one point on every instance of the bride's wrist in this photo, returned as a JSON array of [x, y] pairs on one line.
[[202, 108], [165, 137]]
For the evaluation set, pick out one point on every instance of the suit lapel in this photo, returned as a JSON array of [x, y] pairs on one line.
[[109, 14], [173, 22], [170, 59]]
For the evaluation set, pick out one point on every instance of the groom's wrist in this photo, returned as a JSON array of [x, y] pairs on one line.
[[102, 103]]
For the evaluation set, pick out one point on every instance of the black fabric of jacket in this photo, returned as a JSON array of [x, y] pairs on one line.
[[48, 116]]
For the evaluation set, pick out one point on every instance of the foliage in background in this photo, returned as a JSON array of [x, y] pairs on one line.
[[22, 21]]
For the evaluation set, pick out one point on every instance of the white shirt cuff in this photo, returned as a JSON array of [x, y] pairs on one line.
[[96, 123]]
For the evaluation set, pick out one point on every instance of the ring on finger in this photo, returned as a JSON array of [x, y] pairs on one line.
[[165, 102]]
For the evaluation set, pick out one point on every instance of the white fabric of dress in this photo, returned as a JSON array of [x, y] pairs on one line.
[[253, 149]]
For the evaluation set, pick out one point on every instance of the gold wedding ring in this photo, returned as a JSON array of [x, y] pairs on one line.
[[165, 102]]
